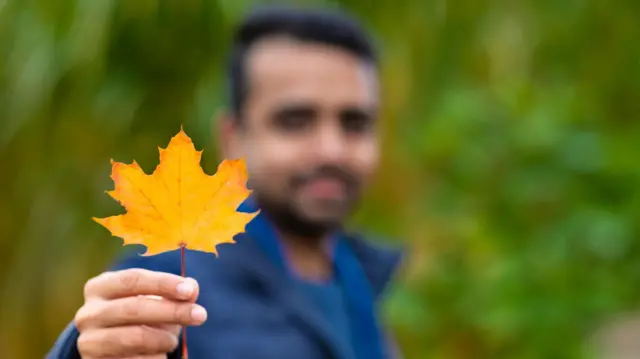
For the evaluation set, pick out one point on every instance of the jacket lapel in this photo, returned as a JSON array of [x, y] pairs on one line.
[[263, 262], [278, 284], [379, 264]]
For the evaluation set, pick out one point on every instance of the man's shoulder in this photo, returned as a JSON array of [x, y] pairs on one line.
[[375, 244]]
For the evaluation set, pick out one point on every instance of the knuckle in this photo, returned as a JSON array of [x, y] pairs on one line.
[[139, 338], [90, 285], [149, 340], [80, 318], [90, 344], [94, 285], [130, 279], [83, 343], [131, 308], [181, 312], [84, 316]]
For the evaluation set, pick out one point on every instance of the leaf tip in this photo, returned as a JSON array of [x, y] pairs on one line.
[[183, 135]]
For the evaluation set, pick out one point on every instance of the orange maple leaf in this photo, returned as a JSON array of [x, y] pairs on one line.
[[179, 206]]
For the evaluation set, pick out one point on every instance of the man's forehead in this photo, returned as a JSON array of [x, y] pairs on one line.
[[284, 61], [285, 45]]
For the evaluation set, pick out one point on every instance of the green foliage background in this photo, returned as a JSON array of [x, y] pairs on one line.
[[511, 135]]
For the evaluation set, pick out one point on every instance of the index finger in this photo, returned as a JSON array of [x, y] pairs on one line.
[[137, 281]]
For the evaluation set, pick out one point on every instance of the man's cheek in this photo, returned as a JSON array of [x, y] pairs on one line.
[[273, 183], [366, 168]]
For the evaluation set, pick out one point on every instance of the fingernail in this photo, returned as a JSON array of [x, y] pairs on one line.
[[198, 313], [185, 289]]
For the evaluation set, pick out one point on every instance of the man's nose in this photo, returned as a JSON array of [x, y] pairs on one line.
[[330, 144]]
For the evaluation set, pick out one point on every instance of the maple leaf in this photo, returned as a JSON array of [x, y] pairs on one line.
[[179, 206]]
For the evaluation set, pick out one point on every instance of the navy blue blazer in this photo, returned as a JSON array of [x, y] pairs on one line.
[[253, 310]]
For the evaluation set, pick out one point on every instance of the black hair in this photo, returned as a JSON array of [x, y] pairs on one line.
[[327, 27]]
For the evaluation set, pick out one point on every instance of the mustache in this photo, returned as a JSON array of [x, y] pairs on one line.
[[332, 172]]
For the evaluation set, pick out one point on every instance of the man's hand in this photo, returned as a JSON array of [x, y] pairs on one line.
[[135, 313]]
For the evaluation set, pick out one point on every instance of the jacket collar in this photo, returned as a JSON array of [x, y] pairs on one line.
[[258, 270], [379, 262]]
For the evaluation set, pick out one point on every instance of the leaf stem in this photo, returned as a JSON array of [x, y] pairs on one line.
[[184, 328]]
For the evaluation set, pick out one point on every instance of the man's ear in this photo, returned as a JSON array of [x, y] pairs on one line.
[[227, 131]]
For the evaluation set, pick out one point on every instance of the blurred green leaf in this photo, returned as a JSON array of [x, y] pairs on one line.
[[510, 158]]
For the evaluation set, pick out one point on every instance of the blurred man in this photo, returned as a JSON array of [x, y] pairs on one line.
[[303, 110]]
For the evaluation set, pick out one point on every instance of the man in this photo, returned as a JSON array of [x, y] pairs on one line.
[[303, 112], [617, 338]]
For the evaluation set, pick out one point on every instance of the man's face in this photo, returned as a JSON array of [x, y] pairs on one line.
[[308, 132]]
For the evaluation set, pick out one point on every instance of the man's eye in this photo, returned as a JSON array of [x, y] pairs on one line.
[[294, 119], [356, 121]]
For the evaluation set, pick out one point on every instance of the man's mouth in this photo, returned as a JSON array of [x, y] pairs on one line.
[[326, 188]]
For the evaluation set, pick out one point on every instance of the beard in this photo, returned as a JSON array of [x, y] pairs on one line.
[[290, 221], [291, 215]]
